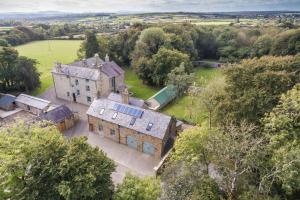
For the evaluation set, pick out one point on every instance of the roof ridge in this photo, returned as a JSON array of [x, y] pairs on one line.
[[36, 98]]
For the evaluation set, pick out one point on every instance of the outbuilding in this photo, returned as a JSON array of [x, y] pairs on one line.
[[144, 130], [32, 104], [7, 102], [61, 116]]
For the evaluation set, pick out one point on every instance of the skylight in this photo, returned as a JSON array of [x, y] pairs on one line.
[[115, 116], [132, 121], [102, 111], [150, 125]]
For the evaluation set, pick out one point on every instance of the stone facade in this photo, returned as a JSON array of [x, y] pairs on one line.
[[120, 135], [83, 83]]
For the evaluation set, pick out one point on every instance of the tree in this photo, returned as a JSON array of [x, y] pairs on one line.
[[287, 43], [17, 73], [135, 188], [91, 44], [209, 97], [188, 183], [180, 79], [38, 163], [253, 87], [164, 61], [281, 127], [26, 75], [3, 43], [262, 46], [230, 155]]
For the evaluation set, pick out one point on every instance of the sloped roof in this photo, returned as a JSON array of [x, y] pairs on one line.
[[81, 72], [132, 101], [90, 69], [32, 101], [6, 99], [57, 114], [165, 95], [160, 121]]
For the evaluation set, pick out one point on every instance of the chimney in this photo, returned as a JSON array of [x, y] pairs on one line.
[[97, 60], [98, 95], [106, 58], [125, 96], [58, 66], [84, 63]]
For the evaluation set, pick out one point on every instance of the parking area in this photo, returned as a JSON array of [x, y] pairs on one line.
[[126, 159]]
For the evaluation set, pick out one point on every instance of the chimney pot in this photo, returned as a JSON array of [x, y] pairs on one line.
[[106, 58]]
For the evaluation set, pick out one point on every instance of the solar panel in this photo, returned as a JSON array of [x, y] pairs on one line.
[[128, 110]]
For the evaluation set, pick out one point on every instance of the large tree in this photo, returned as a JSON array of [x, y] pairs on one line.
[[38, 163], [165, 61], [135, 188], [253, 87], [91, 45], [17, 73], [282, 128], [181, 79]]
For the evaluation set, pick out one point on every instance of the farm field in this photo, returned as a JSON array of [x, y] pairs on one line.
[[46, 53]]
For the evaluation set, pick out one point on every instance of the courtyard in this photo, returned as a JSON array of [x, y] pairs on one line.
[[127, 160]]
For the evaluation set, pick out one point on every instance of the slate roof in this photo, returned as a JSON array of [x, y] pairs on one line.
[[160, 121], [81, 72], [132, 101], [6, 99], [57, 114], [90, 70], [32, 101]]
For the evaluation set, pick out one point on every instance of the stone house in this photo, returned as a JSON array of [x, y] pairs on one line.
[[84, 80], [32, 104], [61, 116], [146, 131]]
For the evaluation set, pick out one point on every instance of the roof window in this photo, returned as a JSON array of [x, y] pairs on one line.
[[102, 111], [115, 115], [132, 121], [150, 125]]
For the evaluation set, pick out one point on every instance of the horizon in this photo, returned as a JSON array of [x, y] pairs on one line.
[[147, 6]]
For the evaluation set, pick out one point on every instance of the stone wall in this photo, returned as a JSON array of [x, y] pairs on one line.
[[121, 134]]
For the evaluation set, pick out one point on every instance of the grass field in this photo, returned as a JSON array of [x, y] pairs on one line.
[[180, 108], [46, 53]]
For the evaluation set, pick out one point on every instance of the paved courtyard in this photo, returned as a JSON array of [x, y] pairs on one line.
[[126, 159]]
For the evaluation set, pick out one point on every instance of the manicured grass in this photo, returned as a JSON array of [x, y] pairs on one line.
[[136, 86], [183, 107], [46, 53]]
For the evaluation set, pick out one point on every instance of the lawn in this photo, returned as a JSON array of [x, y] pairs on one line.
[[46, 53], [180, 108], [136, 86]]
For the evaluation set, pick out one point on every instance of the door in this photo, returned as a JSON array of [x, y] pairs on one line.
[[91, 127], [74, 97], [62, 126], [131, 142], [148, 148]]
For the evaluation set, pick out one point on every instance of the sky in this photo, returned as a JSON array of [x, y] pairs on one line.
[[147, 5]]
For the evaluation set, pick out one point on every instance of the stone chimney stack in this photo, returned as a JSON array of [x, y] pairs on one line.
[[84, 63], [125, 96], [97, 62], [58, 67], [106, 58]]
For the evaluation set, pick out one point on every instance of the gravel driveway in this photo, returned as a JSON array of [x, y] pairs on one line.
[[126, 159]]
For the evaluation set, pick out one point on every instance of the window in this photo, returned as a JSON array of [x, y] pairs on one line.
[[76, 82], [78, 92], [68, 94], [89, 99], [114, 116], [68, 76], [132, 121], [87, 80], [113, 83], [87, 88], [28, 107], [102, 111], [100, 127], [150, 125], [112, 132]]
